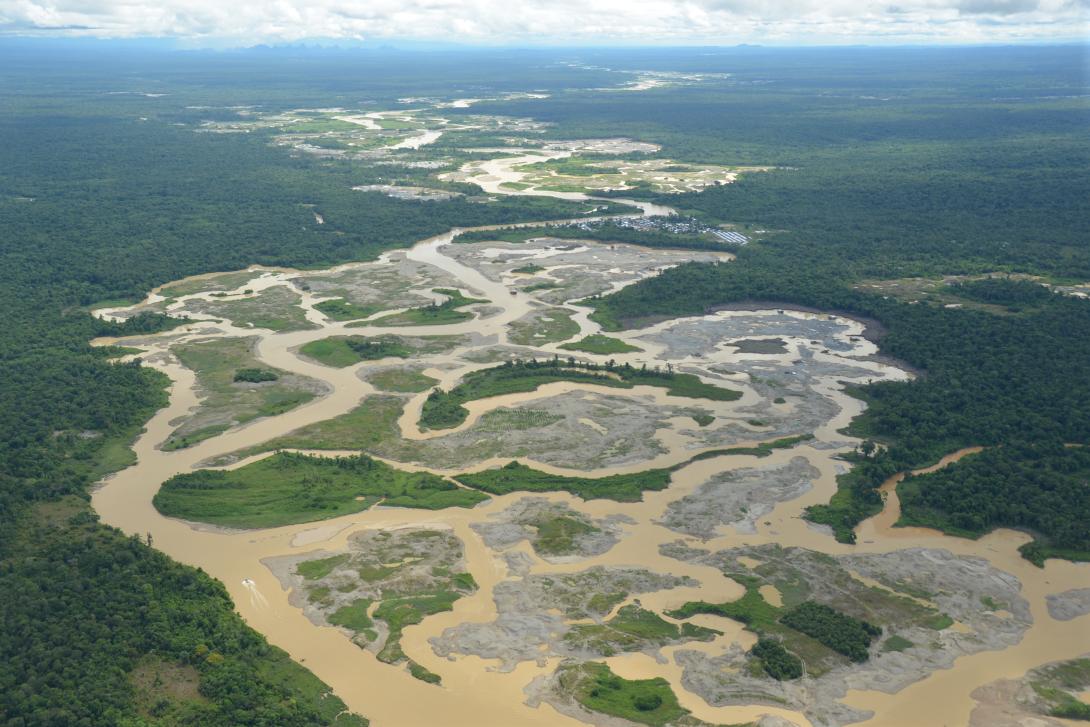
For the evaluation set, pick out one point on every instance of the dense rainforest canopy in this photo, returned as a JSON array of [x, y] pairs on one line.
[[905, 187], [103, 195], [890, 164]]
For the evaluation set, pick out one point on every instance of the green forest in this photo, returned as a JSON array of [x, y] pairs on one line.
[[1040, 486], [840, 632], [933, 183], [102, 198], [978, 162]]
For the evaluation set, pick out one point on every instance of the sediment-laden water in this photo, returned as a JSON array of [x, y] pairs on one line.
[[474, 691]]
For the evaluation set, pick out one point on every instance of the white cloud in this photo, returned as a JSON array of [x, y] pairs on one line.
[[556, 21]]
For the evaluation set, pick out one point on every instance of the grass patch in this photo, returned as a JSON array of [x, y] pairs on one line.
[[276, 309], [115, 452], [601, 345], [339, 309], [516, 477], [353, 616], [1055, 683], [375, 573], [331, 351], [164, 689], [423, 674], [282, 672], [228, 400], [896, 643], [939, 622], [434, 314], [465, 581], [760, 345], [314, 570], [644, 701], [751, 609], [401, 612], [556, 535], [633, 629], [372, 422], [401, 380], [318, 594], [341, 351], [319, 125], [547, 326], [288, 488], [219, 283]]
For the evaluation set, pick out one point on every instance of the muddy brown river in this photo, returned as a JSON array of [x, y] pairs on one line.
[[474, 691]]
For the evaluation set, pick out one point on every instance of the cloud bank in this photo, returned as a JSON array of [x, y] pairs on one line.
[[556, 21]]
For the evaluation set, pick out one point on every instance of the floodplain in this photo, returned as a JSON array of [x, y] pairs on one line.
[[670, 467]]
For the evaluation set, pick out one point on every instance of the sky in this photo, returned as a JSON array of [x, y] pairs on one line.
[[216, 23]]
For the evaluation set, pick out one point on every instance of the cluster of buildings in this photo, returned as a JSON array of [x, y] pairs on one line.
[[675, 225], [731, 236]]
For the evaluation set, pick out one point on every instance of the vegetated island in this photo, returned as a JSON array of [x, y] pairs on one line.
[[444, 410], [385, 581], [289, 487], [434, 314], [339, 309], [235, 388], [601, 345], [342, 351], [517, 477], [594, 687]]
